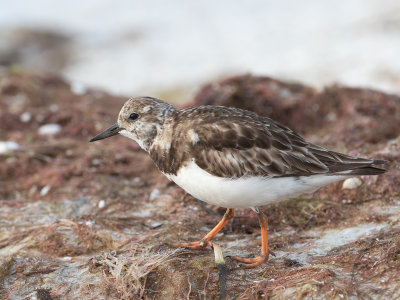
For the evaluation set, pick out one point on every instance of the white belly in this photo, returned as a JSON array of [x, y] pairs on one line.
[[245, 192]]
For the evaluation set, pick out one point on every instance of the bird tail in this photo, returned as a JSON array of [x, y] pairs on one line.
[[363, 169], [342, 164]]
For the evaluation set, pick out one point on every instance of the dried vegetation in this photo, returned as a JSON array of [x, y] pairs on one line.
[[81, 220]]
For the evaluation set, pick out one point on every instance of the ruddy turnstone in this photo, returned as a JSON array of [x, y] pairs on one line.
[[232, 158]]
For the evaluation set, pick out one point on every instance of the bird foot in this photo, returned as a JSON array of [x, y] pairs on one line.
[[193, 245], [251, 262]]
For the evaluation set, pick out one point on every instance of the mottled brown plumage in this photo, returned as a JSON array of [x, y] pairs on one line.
[[230, 142]]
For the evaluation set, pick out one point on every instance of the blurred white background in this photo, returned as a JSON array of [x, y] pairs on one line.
[[146, 47]]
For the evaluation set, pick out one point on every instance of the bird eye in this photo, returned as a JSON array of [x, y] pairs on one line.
[[133, 116]]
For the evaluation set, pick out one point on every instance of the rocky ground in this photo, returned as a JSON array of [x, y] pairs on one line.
[[80, 220]]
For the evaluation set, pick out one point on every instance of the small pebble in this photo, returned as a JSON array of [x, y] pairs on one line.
[[351, 183], [102, 204], [8, 146], [49, 129], [25, 117], [89, 223], [154, 194], [45, 190], [97, 161], [155, 224], [67, 258]]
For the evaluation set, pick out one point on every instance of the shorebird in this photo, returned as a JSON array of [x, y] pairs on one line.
[[232, 158]]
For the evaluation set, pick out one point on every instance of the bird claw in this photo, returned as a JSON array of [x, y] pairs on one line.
[[193, 245], [251, 262]]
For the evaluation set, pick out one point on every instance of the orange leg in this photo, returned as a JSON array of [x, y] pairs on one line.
[[255, 262], [206, 241]]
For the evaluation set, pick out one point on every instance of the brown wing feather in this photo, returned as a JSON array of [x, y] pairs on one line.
[[241, 143], [230, 142]]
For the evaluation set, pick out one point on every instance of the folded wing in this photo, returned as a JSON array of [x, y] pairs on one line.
[[240, 143]]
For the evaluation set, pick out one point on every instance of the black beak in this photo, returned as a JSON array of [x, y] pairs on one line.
[[113, 130]]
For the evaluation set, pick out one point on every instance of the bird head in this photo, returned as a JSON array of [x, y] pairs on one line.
[[140, 119]]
